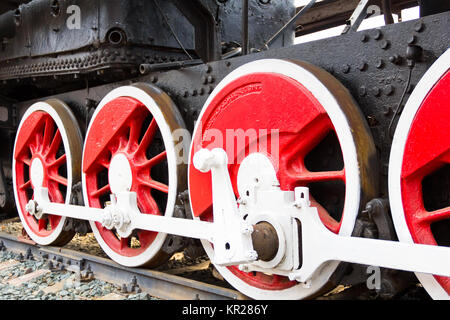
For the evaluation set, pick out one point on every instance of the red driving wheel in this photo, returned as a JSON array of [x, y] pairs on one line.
[[126, 149], [260, 108], [46, 151], [420, 168]]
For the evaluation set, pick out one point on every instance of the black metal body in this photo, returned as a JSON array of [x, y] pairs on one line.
[[112, 38]]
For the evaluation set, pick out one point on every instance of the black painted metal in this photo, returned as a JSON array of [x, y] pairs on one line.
[[116, 36], [428, 7]]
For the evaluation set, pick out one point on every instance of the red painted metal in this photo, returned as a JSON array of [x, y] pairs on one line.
[[427, 149], [39, 138], [289, 122], [117, 129]]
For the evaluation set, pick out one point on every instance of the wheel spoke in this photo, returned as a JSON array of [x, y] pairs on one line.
[[48, 132], [155, 160], [38, 142], [26, 185], [428, 217], [42, 224], [25, 160], [143, 240], [55, 143], [104, 162], [58, 162], [124, 243], [100, 191], [308, 176], [148, 137], [54, 221], [135, 131], [307, 138], [147, 203], [152, 184], [58, 179], [327, 220]]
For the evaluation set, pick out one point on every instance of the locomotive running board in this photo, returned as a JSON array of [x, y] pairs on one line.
[[317, 244]]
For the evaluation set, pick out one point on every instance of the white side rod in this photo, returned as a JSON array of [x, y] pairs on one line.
[[177, 226], [321, 245]]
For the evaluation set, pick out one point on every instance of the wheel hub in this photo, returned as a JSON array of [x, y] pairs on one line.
[[120, 175], [37, 172]]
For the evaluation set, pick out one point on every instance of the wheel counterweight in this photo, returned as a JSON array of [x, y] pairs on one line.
[[307, 124], [47, 153]]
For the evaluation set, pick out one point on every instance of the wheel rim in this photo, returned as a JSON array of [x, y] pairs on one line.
[[418, 165], [46, 154], [306, 114], [129, 146]]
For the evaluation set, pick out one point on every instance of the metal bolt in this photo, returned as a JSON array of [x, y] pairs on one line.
[[385, 44], [377, 34], [389, 90], [376, 91], [394, 59], [387, 110], [252, 255], [379, 64], [247, 229], [419, 26], [306, 284], [362, 66], [345, 68], [243, 268], [372, 121], [412, 40], [362, 91]]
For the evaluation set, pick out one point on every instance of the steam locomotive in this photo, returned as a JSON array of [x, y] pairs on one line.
[[162, 126]]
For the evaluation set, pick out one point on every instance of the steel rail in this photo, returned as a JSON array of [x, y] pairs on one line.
[[156, 283]]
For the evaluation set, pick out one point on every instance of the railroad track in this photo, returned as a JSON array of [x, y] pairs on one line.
[[88, 267]]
